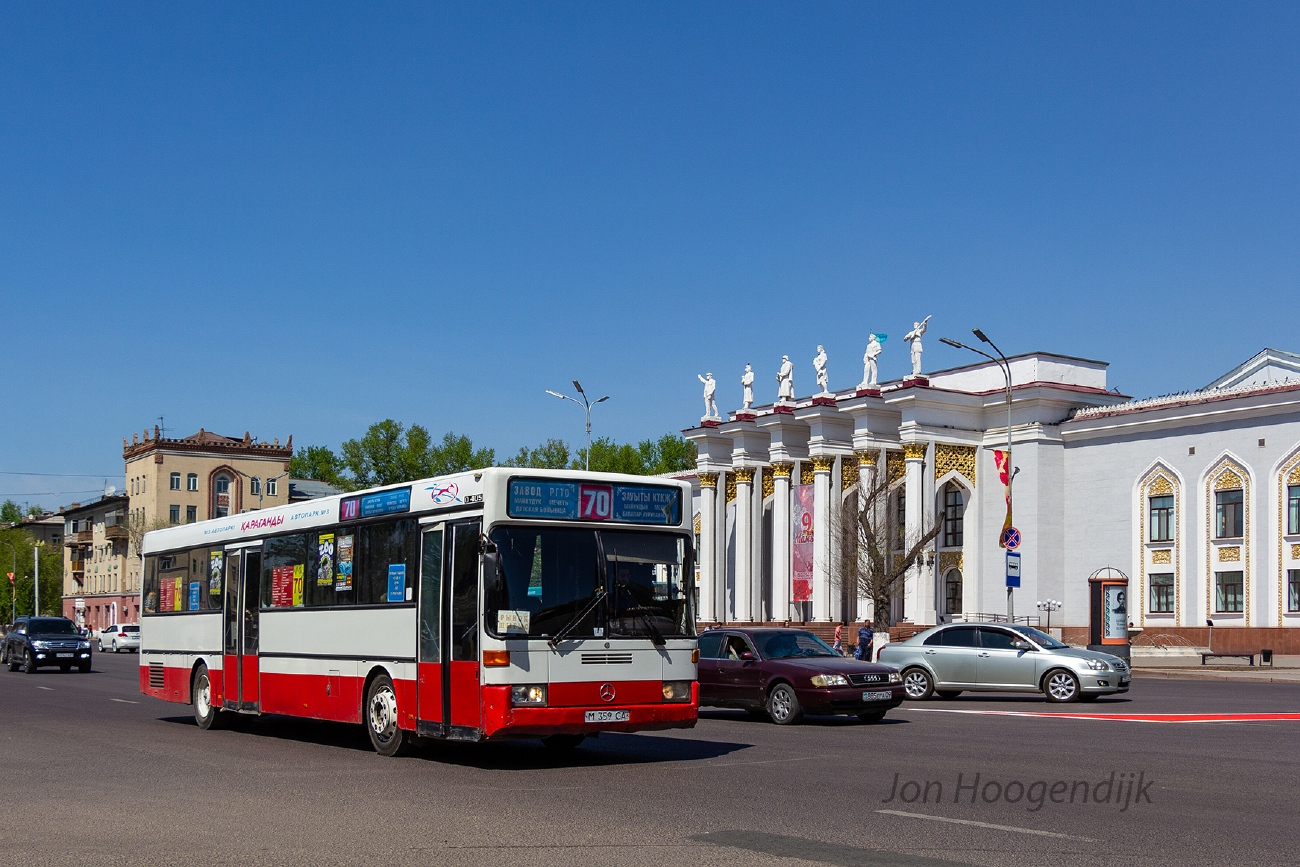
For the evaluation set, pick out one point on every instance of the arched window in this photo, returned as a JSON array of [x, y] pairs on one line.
[[221, 496], [952, 516], [952, 592]]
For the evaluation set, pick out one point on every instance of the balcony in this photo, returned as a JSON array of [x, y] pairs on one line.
[[115, 532]]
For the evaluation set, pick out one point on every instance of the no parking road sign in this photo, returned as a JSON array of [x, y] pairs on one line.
[[1011, 538]]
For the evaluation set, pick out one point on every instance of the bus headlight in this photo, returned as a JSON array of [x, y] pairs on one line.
[[677, 690], [528, 696]]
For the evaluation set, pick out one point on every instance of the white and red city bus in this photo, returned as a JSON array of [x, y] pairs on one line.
[[501, 603]]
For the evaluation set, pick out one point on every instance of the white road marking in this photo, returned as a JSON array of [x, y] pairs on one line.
[[769, 761], [46, 688], [123, 701], [990, 825]]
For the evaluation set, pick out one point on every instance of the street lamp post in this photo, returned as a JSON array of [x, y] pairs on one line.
[[1005, 367], [36, 580], [1049, 605], [586, 406]]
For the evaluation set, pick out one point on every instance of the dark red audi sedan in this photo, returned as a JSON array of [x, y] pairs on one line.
[[786, 673]]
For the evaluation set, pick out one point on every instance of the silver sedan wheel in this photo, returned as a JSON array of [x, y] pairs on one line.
[[383, 714], [916, 684], [1062, 686]]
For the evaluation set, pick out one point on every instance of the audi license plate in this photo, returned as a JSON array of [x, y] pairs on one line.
[[64, 655], [877, 696], [607, 716]]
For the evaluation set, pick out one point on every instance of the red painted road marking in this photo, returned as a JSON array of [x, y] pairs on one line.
[[1135, 717]]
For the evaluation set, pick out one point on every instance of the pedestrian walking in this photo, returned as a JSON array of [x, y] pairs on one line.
[[838, 646], [865, 636]]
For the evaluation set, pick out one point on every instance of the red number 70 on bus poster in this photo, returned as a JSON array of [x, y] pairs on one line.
[[595, 502]]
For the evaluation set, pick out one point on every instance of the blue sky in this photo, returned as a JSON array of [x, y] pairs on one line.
[[306, 218]]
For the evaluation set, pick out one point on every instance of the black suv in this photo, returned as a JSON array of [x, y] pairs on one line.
[[36, 641]]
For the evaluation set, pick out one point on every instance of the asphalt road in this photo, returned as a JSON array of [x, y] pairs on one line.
[[96, 772]]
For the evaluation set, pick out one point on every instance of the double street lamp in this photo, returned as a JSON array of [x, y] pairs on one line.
[[586, 406], [1005, 367]]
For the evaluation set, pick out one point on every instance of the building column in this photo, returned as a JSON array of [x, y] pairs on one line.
[[866, 484], [822, 465], [708, 545], [744, 587], [782, 537], [919, 606]]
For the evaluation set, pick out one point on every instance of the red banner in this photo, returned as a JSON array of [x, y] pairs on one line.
[[803, 544], [1002, 459]]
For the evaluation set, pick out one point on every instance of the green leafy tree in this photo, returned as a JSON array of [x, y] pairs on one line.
[[388, 453], [550, 455], [608, 456], [35, 511], [668, 454], [457, 454], [16, 548], [10, 512], [319, 463]]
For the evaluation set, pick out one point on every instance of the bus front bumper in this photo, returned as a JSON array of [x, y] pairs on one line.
[[501, 721]]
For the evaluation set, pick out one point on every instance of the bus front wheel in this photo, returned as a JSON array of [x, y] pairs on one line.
[[205, 714], [380, 715]]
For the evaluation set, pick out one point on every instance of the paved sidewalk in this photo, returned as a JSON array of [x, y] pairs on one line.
[[1285, 669]]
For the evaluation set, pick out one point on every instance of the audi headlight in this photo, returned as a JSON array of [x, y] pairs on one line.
[[895, 677], [677, 690], [528, 696], [1098, 665], [829, 680]]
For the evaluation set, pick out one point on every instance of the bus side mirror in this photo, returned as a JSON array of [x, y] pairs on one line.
[[494, 578]]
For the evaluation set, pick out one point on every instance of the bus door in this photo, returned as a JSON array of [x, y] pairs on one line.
[[241, 620], [429, 662], [462, 698]]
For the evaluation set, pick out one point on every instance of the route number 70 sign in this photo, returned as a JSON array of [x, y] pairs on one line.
[[595, 502]]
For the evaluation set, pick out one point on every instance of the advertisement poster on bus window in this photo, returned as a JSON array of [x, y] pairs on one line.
[[216, 565], [166, 595], [282, 587], [396, 582], [802, 548], [178, 594], [195, 589], [325, 568], [298, 581], [344, 579]]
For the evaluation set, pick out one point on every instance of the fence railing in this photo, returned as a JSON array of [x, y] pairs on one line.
[[976, 617]]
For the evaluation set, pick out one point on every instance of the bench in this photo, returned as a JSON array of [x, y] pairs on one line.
[[1249, 657]]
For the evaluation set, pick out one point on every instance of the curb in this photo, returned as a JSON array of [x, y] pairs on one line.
[[1175, 674]]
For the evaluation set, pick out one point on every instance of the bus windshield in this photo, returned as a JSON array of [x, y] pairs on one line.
[[552, 575]]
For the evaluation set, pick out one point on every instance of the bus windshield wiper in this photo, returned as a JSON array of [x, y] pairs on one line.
[[577, 618]]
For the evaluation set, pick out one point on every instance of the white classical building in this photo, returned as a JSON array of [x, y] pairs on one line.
[[1195, 496]]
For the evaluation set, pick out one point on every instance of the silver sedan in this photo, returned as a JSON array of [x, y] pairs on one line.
[[995, 657]]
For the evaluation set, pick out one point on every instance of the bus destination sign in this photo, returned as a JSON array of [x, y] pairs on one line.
[[373, 505], [580, 501]]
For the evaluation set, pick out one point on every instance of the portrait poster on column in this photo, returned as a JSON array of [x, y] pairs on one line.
[[802, 548]]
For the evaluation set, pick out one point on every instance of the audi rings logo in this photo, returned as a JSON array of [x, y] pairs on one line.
[[607, 692]]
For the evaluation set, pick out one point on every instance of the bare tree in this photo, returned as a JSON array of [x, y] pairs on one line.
[[876, 551]]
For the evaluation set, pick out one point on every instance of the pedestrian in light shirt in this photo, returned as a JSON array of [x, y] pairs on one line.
[[838, 646]]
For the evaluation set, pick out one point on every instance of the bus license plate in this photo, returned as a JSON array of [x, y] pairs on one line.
[[877, 696], [606, 716]]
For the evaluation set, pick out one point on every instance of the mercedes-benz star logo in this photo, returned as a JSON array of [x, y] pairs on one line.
[[607, 692]]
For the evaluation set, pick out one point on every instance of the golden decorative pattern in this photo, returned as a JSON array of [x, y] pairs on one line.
[[1226, 476], [696, 523], [805, 473], [848, 474], [782, 470], [744, 475], [1294, 477], [731, 486], [823, 463], [708, 480], [866, 457], [1160, 487], [1227, 481], [769, 483], [1295, 552], [1231, 554], [914, 451], [949, 560], [895, 466], [1162, 556], [949, 458]]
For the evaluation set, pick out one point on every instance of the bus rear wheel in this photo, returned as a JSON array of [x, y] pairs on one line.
[[380, 716]]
